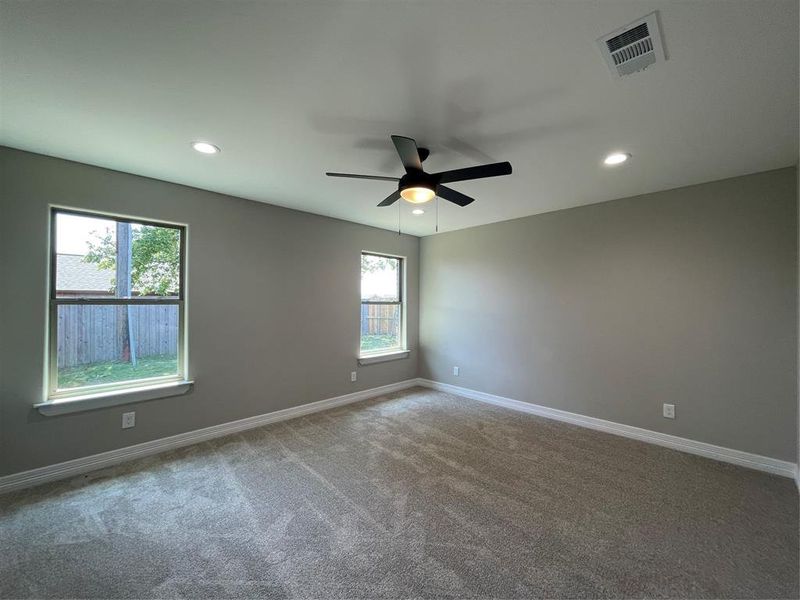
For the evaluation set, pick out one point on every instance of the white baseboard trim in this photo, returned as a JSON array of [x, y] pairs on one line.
[[736, 457], [85, 464], [78, 466]]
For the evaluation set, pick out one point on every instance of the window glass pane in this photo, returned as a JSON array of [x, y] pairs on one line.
[[98, 257], [79, 268], [98, 344], [380, 278], [380, 327]]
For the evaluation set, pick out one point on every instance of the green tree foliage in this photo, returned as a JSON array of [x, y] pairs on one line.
[[155, 258], [371, 263]]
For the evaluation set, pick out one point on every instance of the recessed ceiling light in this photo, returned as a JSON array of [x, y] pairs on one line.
[[616, 158], [205, 148], [417, 211]]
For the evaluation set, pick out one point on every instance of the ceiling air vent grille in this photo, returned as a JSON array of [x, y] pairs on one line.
[[634, 47]]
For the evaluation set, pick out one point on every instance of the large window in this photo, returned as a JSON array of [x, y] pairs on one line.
[[382, 304], [116, 303]]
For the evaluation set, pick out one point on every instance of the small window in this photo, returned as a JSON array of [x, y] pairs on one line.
[[116, 303], [382, 304]]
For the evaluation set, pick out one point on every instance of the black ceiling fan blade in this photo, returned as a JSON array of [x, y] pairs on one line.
[[407, 149], [492, 170], [390, 199], [354, 176], [453, 196]]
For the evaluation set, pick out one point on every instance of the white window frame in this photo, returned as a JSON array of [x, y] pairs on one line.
[[403, 347], [54, 394]]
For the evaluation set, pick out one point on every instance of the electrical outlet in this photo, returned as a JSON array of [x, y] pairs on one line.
[[669, 411], [128, 420], [353, 376], [455, 371]]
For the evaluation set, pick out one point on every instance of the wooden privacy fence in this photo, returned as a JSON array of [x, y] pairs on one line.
[[380, 319], [89, 333]]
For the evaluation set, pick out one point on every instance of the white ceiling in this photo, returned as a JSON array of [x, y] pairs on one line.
[[290, 90]]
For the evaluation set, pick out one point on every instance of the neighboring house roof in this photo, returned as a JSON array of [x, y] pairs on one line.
[[75, 274]]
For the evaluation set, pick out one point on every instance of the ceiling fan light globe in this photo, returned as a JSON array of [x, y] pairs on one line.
[[417, 195]]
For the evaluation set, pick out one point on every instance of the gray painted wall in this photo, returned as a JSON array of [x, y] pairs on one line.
[[687, 296], [266, 268]]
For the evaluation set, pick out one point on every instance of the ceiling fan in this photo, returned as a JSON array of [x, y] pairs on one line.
[[418, 187]]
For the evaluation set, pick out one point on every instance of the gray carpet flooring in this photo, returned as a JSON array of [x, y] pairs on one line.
[[418, 494]]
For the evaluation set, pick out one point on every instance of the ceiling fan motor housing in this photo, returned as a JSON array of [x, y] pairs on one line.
[[414, 178]]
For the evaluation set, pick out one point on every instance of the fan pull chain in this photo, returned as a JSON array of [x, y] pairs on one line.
[[399, 211], [437, 214]]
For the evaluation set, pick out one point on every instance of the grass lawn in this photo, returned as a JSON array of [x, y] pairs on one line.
[[377, 342], [111, 372]]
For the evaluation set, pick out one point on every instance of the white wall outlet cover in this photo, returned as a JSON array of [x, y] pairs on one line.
[[456, 371], [128, 420], [353, 376], [669, 411]]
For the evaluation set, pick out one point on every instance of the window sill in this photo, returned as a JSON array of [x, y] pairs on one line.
[[73, 404], [371, 359]]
